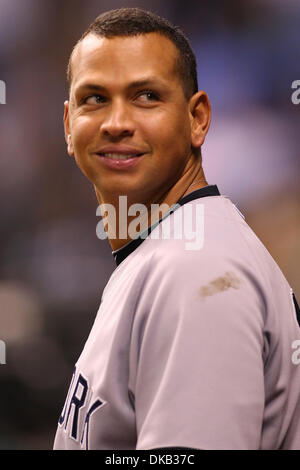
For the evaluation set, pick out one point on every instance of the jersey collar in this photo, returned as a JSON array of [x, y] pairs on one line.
[[124, 251]]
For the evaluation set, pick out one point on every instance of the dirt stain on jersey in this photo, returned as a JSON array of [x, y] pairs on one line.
[[220, 284]]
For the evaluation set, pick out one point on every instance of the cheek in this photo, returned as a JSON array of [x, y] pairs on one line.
[[167, 131], [83, 132], [174, 140], [176, 149]]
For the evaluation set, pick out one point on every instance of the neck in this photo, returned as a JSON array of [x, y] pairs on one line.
[[121, 228]]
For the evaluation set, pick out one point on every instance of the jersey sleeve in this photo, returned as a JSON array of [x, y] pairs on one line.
[[196, 360]]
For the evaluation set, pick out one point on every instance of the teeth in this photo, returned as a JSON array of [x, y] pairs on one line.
[[115, 156]]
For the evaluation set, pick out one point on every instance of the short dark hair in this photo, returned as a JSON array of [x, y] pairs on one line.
[[135, 21]]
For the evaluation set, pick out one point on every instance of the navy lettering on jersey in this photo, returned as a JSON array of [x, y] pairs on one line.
[[62, 416], [94, 406], [296, 308], [77, 402], [79, 398]]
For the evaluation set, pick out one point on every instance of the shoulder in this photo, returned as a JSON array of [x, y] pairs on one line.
[[206, 237], [203, 236], [219, 253]]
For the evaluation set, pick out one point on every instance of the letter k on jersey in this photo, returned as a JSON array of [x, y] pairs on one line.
[[79, 408]]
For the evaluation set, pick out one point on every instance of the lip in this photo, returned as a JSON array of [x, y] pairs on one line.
[[120, 164], [120, 149]]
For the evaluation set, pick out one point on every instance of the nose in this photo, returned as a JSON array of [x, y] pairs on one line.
[[118, 121]]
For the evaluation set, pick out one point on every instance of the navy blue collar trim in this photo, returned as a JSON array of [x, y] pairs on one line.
[[123, 252]]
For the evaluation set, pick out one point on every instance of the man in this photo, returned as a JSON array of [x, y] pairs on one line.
[[194, 346]]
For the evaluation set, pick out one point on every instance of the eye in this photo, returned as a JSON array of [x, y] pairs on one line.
[[94, 99], [148, 96]]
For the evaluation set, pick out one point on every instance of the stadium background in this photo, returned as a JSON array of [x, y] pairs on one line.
[[53, 268]]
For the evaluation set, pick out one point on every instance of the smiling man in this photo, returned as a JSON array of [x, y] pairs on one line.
[[128, 99], [190, 348]]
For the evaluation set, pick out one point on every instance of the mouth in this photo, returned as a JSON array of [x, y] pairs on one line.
[[120, 161], [119, 156]]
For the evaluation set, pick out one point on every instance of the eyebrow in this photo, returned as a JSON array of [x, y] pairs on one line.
[[150, 81]]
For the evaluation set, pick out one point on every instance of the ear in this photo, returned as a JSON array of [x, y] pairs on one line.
[[200, 113], [68, 137]]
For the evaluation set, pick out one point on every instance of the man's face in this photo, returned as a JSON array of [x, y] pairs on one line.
[[127, 98]]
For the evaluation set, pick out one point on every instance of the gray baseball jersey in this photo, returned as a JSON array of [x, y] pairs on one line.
[[195, 348]]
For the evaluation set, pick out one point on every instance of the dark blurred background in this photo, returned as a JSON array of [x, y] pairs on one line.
[[53, 268]]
